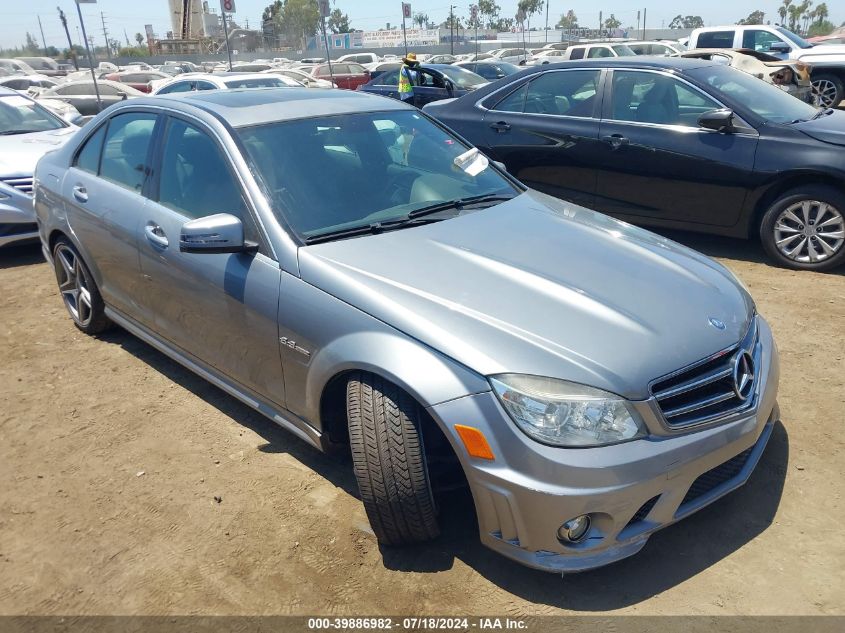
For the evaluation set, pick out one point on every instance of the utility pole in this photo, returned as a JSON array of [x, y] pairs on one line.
[[126, 36], [67, 33], [547, 22], [451, 29], [645, 11], [43, 41], [106, 36], [90, 59], [600, 22], [79, 38], [226, 35]]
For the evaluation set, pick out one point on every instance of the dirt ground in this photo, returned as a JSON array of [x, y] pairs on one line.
[[112, 456]]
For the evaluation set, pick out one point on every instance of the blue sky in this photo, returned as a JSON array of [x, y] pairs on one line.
[[16, 18]]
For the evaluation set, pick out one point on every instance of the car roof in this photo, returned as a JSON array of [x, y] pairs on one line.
[[639, 61], [256, 106]]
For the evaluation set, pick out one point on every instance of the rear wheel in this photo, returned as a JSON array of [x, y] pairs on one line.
[[828, 90], [805, 228], [79, 292], [388, 457]]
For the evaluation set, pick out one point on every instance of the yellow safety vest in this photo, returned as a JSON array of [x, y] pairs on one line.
[[405, 86]]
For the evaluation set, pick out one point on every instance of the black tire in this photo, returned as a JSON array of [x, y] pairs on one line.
[[388, 457], [828, 90], [78, 289], [770, 232]]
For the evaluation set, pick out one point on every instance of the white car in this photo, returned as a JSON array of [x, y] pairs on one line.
[[301, 77], [513, 55], [359, 58], [17, 67], [546, 56], [27, 83], [662, 49], [229, 81], [598, 49]]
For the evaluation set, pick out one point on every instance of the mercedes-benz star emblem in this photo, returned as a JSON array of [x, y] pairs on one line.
[[716, 323], [743, 375]]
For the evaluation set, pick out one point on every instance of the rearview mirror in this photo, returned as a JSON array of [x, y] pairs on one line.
[[721, 120], [219, 233]]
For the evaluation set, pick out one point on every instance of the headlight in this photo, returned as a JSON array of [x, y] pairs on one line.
[[562, 413]]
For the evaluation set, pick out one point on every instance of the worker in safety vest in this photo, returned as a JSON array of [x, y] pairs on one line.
[[408, 78]]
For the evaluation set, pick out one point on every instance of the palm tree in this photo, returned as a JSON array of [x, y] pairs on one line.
[[783, 10], [821, 13]]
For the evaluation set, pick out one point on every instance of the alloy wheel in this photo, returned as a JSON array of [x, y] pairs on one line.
[[810, 231], [74, 285], [824, 91]]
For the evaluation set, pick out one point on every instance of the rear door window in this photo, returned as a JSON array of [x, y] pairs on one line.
[[715, 39], [577, 53]]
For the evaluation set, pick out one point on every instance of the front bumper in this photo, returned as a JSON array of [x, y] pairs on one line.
[[17, 216], [630, 490]]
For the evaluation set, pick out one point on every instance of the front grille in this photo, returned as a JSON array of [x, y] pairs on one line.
[[642, 513], [705, 390], [23, 185], [717, 476]]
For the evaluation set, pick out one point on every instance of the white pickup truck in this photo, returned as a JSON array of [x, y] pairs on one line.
[[827, 61]]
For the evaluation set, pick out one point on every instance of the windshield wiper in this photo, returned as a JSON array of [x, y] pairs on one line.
[[368, 229], [821, 113], [458, 204]]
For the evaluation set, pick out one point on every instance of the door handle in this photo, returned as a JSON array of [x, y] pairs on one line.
[[615, 140], [155, 235], [80, 193], [500, 126]]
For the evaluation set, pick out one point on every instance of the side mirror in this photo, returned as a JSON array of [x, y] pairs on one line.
[[450, 87], [780, 47], [219, 233], [721, 120], [122, 95], [501, 165]]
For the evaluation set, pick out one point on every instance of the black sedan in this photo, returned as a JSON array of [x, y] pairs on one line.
[[434, 82], [675, 143], [491, 71]]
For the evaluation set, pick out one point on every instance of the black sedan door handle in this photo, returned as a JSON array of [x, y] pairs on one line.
[[615, 140], [500, 126]]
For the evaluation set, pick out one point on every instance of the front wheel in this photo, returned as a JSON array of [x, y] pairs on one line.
[[388, 457], [828, 90], [805, 228]]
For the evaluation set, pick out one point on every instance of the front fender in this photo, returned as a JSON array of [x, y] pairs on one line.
[[334, 337]]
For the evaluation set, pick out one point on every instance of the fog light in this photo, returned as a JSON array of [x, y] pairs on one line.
[[574, 530]]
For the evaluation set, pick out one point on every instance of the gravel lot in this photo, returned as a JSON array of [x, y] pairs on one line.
[[112, 456]]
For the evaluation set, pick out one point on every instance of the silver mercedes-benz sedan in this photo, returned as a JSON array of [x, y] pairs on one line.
[[359, 274]]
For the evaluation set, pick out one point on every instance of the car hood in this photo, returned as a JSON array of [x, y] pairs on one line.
[[829, 128], [20, 152], [829, 50], [539, 286]]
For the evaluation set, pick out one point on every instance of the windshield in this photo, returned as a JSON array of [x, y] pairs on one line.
[[259, 82], [623, 50], [765, 100], [383, 166], [462, 77], [798, 41], [19, 115]]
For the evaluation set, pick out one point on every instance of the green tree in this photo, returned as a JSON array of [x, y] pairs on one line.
[[488, 11], [821, 13], [686, 22], [31, 43], [529, 8], [297, 19], [139, 38], [822, 27], [755, 17], [568, 20], [612, 22], [420, 19], [338, 22]]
